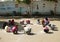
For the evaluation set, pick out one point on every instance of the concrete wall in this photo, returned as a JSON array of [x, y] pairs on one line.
[[58, 8], [43, 7], [46, 6], [9, 7], [6, 7]]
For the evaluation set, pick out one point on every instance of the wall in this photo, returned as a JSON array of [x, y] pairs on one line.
[[44, 7], [9, 7]]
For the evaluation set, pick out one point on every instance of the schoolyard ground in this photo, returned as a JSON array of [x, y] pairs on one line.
[[37, 30]]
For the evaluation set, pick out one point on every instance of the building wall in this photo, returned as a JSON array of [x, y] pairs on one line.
[[58, 8], [9, 7], [43, 7], [6, 7], [46, 6]]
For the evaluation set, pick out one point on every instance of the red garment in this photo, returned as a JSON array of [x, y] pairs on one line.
[[28, 21]]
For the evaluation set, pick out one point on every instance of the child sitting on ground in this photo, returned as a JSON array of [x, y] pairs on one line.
[[45, 21], [38, 21], [28, 21], [46, 29], [52, 26], [12, 22], [27, 29], [15, 29], [7, 28]]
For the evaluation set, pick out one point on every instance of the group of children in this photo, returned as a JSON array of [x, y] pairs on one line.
[[27, 27], [12, 27], [46, 24]]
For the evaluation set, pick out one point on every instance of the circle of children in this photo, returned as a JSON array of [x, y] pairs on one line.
[[10, 26]]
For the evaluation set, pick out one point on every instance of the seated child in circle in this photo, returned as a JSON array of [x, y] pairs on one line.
[[46, 29]]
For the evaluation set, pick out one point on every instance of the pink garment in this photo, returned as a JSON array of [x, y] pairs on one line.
[[46, 21], [14, 28], [46, 28]]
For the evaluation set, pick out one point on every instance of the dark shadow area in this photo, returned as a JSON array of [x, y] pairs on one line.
[[19, 34], [32, 34], [50, 33], [56, 17], [1, 24], [24, 33], [55, 29]]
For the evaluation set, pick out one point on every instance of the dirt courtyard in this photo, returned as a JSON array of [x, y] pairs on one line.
[[39, 35]]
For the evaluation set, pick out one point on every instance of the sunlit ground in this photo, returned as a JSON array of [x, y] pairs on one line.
[[37, 30]]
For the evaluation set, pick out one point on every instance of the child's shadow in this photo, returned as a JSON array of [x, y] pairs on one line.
[[50, 32], [31, 34], [23, 33], [19, 33]]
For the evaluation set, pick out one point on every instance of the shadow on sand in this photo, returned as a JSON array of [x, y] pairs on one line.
[[24, 33], [32, 34], [1, 24], [50, 32]]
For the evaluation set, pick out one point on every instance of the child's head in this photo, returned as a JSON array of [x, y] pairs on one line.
[[24, 25], [9, 20], [46, 18], [12, 20], [44, 25], [38, 19]]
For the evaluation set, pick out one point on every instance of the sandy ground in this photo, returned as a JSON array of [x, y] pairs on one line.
[[39, 35]]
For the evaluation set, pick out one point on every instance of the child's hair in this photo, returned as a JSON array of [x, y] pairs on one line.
[[49, 25], [46, 18], [24, 25], [44, 25]]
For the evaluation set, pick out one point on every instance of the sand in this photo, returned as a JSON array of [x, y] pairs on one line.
[[37, 30]]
